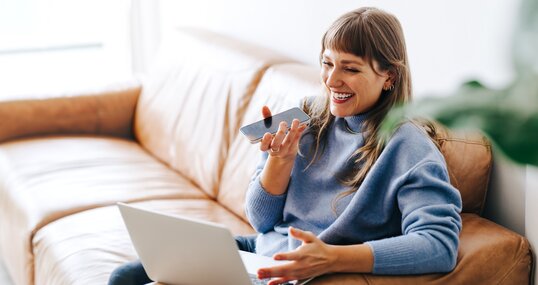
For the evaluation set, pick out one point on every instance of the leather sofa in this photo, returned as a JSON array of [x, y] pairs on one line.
[[171, 143]]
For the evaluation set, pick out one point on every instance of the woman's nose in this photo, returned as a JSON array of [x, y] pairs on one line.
[[333, 79]]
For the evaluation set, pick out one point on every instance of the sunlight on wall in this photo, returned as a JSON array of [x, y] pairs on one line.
[[61, 45]]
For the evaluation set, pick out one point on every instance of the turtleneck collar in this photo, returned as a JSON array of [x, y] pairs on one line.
[[355, 122]]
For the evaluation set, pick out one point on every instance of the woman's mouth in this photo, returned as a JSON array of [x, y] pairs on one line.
[[340, 98]]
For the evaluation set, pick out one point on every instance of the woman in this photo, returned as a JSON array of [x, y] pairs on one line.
[[366, 206], [331, 197]]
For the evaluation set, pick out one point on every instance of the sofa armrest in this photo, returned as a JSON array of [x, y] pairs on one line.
[[105, 112], [488, 254]]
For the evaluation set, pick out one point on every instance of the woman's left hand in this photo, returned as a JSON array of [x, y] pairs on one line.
[[312, 258]]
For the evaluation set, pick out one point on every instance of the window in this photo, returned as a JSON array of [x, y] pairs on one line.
[[61, 45]]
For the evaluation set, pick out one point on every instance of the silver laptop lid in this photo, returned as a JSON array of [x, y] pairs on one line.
[[177, 250]]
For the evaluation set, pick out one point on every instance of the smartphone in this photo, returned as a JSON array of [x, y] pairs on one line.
[[255, 131]]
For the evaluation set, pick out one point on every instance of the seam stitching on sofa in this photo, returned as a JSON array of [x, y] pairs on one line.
[[466, 141], [488, 180], [512, 268], [366, 279], [533, 268]]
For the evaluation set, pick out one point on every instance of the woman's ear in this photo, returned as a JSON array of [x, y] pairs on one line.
[[389, 82]]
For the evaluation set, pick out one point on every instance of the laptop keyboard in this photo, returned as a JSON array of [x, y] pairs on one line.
[[255, 281]]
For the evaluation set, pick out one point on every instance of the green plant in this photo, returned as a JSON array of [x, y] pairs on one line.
[[508, 117]]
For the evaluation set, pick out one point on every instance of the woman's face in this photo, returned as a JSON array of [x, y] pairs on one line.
[[352, 84]]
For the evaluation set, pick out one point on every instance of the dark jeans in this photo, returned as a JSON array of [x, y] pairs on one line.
[[133, 273]]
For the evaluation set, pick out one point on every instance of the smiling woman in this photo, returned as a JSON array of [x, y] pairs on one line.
[[60, 45], [312, 187], [354, 85]]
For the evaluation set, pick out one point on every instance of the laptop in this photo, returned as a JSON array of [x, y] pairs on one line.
[[179, 250]]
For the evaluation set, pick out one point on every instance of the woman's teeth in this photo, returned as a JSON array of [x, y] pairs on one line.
[[342, 96]]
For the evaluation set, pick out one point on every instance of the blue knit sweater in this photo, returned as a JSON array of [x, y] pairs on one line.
[[405, 209]]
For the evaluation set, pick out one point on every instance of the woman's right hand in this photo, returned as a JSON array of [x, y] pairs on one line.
[[282, 149], [282, 145]]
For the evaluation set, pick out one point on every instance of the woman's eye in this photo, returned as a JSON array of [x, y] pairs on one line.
[[326, 63], [352, 70]]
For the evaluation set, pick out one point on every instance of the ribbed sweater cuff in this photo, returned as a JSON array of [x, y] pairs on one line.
[[393, 257]]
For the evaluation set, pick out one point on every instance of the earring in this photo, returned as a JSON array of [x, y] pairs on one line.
[[389, 88]]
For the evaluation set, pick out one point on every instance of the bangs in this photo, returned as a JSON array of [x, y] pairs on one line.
[[350, 35]]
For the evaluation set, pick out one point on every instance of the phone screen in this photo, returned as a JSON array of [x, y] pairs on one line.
[[255, 131]]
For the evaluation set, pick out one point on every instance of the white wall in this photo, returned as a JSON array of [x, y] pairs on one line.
[[448, 41], [505, 202]]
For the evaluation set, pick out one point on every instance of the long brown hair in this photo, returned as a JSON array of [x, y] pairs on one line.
[[371, 34]]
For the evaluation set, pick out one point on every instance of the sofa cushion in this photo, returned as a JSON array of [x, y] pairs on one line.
[[85, 248], [283, 86], [192, 100], [48, 178]]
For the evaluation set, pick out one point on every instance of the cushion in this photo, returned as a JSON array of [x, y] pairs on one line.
[[86, 247], [192, 99], [49, 178]]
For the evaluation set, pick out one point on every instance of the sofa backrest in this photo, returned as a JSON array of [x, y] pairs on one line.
[[192, 99], [283, 86], [468, 156], [469, 160]]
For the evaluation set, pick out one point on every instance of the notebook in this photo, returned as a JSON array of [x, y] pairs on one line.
[[179, 250]]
